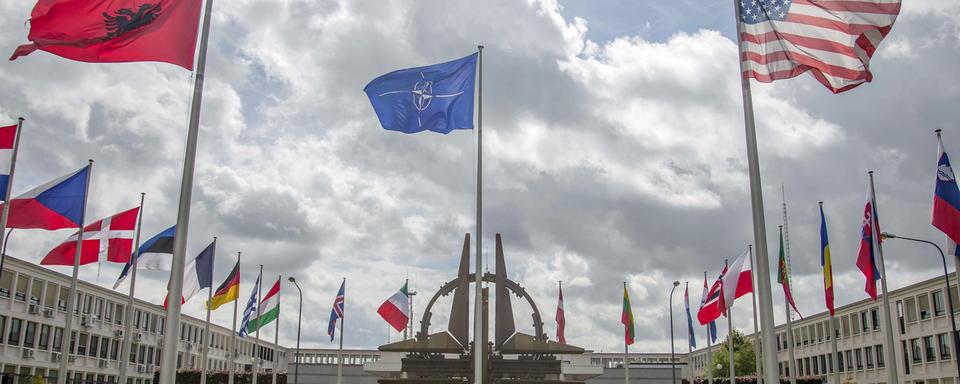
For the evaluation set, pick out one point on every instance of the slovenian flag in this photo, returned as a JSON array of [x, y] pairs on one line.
[[396, 310], [8, 136], [946, 200], [866, 257], [57, 204], [268, 310]]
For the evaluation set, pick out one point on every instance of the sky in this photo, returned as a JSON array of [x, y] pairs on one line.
[[613, 152]]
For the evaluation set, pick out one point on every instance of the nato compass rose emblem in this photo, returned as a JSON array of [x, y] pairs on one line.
[[422, 93]]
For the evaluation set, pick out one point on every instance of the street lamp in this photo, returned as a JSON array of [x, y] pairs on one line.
[[296, 356], [673, 359], [946, 281]]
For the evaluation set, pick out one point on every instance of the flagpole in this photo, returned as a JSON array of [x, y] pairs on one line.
[[478, 280], [888, 324], [256, 336], [756, 327], [956, 260], [276, 336], [690, 335], [759, 224], [168, 366], [792, 365], [128, 315], [833, 346], [72, 299], [626, 351], [709, 345], [733, 370], [206, 330], [340, 350], [5, 212], [232, 354]]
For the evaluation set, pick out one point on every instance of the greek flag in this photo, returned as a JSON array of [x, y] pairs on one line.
[[250, 309]]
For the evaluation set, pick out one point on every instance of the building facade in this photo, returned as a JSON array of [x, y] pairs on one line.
[[921, 326], [33, 310]]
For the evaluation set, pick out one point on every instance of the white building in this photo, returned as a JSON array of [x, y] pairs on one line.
[[33, 304], [921, 333]]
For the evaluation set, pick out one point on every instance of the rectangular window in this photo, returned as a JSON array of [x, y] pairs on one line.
[[58, 339], [105, 345], [6, 283], [906, 362], [849, 360], [923, 302], [13, 338], [874, 318], [3, 325], [108, 313], [855, 324], [50, 298], [21, 292], [868, 356], [955, 299], [823, 363], [82, 344], [36, 291], [917, 352], [87, 304], [31, 333], [930, 349], [95, 345], [938, 305], [44, 342], [99, 309], [944, 346], [816, 366], [863, 322], [910, 308], [115, 350], [879, 349], [859, 354], [118, 317]]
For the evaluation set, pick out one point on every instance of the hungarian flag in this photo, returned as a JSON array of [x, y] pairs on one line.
[[561, 320], [269, 309], [946, 200], [783, 277], [110, 238], [114, 31], [826, 262], [626, 317], [228, 291], [866, 258], [396, 310]]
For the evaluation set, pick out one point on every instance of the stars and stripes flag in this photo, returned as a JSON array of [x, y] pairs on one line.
[[833, 40], [337, 311]]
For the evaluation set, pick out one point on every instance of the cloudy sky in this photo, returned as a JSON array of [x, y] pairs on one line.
[[614, 151]]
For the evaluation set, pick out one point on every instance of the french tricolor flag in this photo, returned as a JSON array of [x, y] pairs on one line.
[[8, 136], [57, 204], [946, 200]]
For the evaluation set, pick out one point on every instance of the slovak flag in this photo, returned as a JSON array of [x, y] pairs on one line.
[[946, 200], [8, 136], [57, 204], [110, 238], [866, 256]]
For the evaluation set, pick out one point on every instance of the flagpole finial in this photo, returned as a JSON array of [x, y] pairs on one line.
[[479, 47], [870, 173], [21, 119], [820, 203], [937, 131]]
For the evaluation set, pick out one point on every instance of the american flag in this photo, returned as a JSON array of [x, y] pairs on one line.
[[337, 311], [833, 39]]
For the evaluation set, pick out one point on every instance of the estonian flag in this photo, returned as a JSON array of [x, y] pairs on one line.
[[153, 254]]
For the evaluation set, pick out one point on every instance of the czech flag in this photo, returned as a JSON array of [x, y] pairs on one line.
[[57, 204], [946, 199]]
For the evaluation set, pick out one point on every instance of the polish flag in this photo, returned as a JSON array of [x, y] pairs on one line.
[[738, 281], [109, 239]]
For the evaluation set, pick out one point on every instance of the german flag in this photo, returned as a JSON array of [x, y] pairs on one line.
[[228, 291]]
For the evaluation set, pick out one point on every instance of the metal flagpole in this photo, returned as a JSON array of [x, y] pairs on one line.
[[790, 344], [6, 207], [834, 362], [690, 335], [951, 250], [256, 336], [709, 345], [128, 315], [340, 350], [276, 336], [168, 366], [756, 328], [232, 353], [951, 246], [72, 299], [206, 329], [759, 225], [733, 370], [888, 324], [478, 280]]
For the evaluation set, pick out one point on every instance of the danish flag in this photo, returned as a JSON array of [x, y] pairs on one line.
[[110, 238]]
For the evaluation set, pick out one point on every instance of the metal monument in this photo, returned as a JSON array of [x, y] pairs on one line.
[[513, 357]]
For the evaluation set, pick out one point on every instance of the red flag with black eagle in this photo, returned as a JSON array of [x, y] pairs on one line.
[[115, 31]]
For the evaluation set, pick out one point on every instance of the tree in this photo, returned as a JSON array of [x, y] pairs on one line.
[[743, 357]]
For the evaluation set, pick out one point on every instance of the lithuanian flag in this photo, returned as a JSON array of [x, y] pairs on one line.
[[626, 317], [228, 291]]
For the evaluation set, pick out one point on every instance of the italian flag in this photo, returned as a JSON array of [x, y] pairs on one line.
[[396, 310], [268, 310]]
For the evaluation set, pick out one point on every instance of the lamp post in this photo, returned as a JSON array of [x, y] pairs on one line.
[[296, 356], [673, 359], [946, 282]]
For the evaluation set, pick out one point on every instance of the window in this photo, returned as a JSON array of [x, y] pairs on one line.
[[816, 366], [917, 352], [115, 350], [855, 323], [928, 346], [82, 344], [44, 342], [923, 302], [955, 299], [944, 346], [863, 322], [868, 356], [6, 283], [57, 339], [108, 314], [118, 317], [845, 326], [906, 363], [875, 318], [94, 345], [849, 360], [21, 292], [99, 308], [910, 308], [823, 363], [3, 325], [13, 338], [105, 345], [938, 308], [87, 304], [30, 334], [879, 349], [859, 354]]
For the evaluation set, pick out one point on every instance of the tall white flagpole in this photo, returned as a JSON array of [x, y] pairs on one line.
[[756, 328], [730, 346], [128, 315], [232, 354], [790, 344], [5, 212], [206, 329], [168, 366], [709, 345], [256, 336], [626, 349], [276, 338], [759, 226], [72, 299], [478, 279], [690, 335], [340, 349], [892, 374]]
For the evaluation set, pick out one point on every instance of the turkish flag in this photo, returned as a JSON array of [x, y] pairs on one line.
[[115, 31]]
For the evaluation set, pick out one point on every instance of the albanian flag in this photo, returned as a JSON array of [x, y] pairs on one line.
[[115, 31]]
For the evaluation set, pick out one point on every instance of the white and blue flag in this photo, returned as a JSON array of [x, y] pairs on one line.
[[250, 309]]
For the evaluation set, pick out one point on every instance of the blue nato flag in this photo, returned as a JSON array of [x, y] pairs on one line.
[[435, 98]]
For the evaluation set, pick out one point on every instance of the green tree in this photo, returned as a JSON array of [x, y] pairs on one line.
[[743, 357]]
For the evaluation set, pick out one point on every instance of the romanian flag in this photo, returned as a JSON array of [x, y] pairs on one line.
[[626, 317], [228, 291], [826, 263], [783, 277]]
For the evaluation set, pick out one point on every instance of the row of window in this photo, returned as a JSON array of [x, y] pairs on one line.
[[926, 349], [856, 359], [844, 326]]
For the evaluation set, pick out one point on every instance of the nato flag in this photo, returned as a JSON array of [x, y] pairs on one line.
[[437, 97]]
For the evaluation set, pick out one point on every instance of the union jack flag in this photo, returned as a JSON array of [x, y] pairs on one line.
[[834, 40], [337, 311]]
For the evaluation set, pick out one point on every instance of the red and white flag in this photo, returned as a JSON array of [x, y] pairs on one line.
[[833, 40], [711, 303], [561, 321], [738, 281], [109, 239]]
